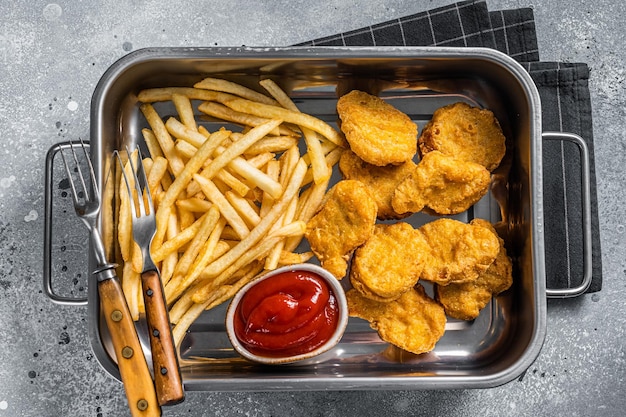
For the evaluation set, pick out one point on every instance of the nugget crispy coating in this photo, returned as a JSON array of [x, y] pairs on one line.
[[389, 263], [345, 221], [381, 181], [414, 322], [465, 301], [377, 132], [442, 184], [459, 252], [465, 132]]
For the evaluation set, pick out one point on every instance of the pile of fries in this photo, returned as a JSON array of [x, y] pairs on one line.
[[229, 204]]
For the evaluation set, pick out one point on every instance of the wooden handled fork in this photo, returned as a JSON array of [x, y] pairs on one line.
[[167, 377], [134, 371]]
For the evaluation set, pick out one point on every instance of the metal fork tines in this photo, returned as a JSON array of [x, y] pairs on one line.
[[132, 364], [168, 381], [86, 202], [142, 214]]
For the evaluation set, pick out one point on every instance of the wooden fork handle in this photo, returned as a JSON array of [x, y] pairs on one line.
[[167, 377], [138, 384]]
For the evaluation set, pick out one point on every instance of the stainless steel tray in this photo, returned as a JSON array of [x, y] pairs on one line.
[[491, 350]]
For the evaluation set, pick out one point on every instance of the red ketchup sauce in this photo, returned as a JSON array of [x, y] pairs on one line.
[[288, 314]]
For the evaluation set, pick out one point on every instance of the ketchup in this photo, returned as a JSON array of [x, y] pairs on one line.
[[288, 314]]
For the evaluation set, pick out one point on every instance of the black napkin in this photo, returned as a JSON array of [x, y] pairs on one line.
[[566, 107]]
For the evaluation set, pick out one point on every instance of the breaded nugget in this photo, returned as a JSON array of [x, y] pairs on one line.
[[414, 322], [465, 132], [377, 132], [459, 252], [464, 301], [345, 221], [381, 181], [389, 263], [442, 184]]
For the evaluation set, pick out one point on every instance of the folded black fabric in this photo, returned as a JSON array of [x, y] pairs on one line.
[[566, 107]]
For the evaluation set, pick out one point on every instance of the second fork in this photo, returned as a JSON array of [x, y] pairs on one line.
[[167, 377]]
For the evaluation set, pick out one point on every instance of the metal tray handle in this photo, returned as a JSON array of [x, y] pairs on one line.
[[586, 200], [47, 242]]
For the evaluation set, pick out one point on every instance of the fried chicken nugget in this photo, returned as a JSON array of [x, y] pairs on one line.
[[442, 184], [345, 221], [465, 132], [459, 252], [377, 132], [464, 301], [414, 322], [381, 181], [389, 263]]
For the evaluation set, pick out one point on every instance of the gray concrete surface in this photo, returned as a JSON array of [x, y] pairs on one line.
[[51, 57]]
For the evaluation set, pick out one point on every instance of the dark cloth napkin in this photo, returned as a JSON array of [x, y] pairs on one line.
[[566, 107]]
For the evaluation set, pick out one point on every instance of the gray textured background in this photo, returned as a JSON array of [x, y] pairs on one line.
[[51, 57]]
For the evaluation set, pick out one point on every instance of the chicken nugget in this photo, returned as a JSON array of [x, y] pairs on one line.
[[377, 132], [459, 252], [465, 301], [389, 263], [442, 184], [414, 322], [381, 181], [345, 221], [465, 132]]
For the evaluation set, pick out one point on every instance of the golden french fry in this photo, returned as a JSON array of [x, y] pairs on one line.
[[222, 112], [332, 158], [186, 217], [169, 262], [194, 204], [233, 88], [291, 258], [163, 137], [159, 168], [180, 307], [273, 171], [186, 319], [185, 111], [124, 227], [261, 160], [271, 261], [152, 143], [152, 95], [272, 144], [289, 116], [177, 242], [246, 210], [130, 286], [219, 200], [296, 228], [288, 161], [185, 149], [181, 131]]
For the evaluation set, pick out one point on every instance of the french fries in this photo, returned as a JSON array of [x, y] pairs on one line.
[[231, 202]]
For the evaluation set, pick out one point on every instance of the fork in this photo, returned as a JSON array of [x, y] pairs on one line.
[[132, 364], [167, 377]]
